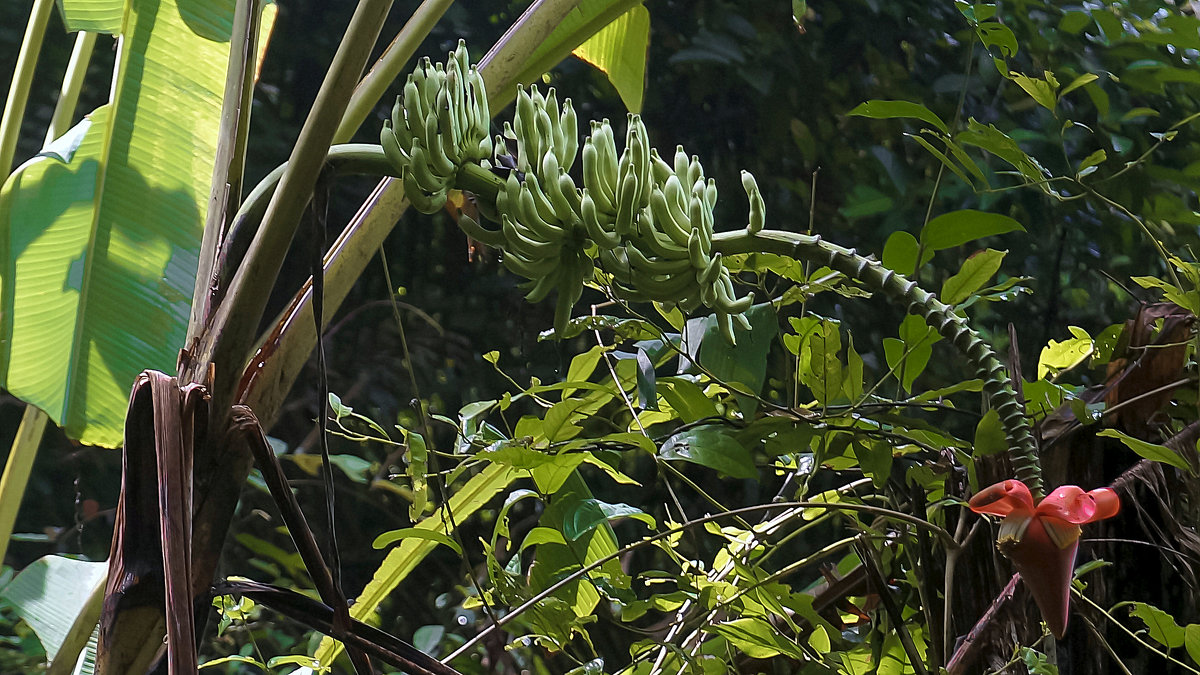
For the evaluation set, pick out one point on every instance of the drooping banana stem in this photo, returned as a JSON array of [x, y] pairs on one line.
[[996, 381]]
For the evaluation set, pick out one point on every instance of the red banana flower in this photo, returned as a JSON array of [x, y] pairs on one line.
[[1042, 539]]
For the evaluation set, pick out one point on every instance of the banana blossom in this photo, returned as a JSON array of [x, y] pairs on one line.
[[1041, 539]]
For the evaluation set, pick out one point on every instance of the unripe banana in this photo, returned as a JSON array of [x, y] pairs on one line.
[[664, 221], [539, 228], [725, 300], [541, 202], [708, 276], [572, 194], [681, 161], [657, 266], [420, 170], [695, 253], [659, 168], [656, 243], [391, 148], [541, 287], [530, 268], [478, 232], [626, 204], [526, 243], [758, 207], [594, 182], [570, 132], [418, 197]]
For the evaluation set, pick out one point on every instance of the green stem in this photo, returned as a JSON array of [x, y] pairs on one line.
[[227, 346], [22, 80], [68, 96], [940, 316], [17, 470], [387, 69]]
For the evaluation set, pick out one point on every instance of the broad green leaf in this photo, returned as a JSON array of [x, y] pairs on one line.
[[914, 348], [881, 110], [712, 446], [852, 374], [1150, 451], [1091, 162], [819, 640], [974, 273], [580, 24], [619, 51], [1161, 626], [581, 368], [1039, 90], [548, 471], [998, 143], [99, 254], [687, 399], [864, 201], [821, 369], [95, 16], [1085, 79], [875, 459], [589, 513], [1191, 641], [50, 592], [959, 227], [1057, 357], [757, 638], [403, 559], [388, 538], [744, 363], [989, 435], [900, 252], [942, 157], [554, 561]]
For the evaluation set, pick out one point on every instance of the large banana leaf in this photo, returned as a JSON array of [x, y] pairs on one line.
[[99, 240]]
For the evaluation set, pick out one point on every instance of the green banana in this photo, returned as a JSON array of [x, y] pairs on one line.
[[655, 243], [665, 221], [593, 182], [570, 131], [708, 276], [531, 217], [638, 260], [539, 288], [758, 208], [391, 148], [418, 197], [530, 268], [419, 168], [525, 241], [473, 229], [695, 253]]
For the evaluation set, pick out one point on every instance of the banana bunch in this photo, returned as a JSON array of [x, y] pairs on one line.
[[652, 223], [440, 123], [539, 206]]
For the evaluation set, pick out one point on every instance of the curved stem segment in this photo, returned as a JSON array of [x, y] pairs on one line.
[[940, 316]]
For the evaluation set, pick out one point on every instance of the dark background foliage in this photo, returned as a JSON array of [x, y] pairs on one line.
[[742, 88]]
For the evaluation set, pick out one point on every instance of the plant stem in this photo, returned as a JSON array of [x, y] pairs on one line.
[[227, 344], [22, 80], [387, 69], [996, 381], [68, 95]]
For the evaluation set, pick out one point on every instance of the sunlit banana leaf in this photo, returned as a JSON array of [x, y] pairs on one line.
[[619, 50], [99, 239], [589, 19], [50, 594]]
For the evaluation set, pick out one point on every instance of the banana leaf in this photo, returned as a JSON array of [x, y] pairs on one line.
[[99, 235]]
